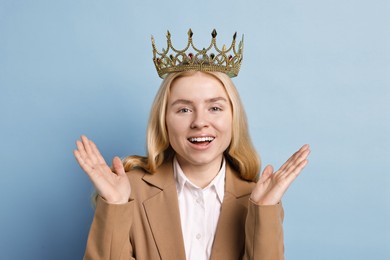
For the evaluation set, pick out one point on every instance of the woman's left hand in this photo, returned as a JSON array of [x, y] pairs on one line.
[[271, 185]]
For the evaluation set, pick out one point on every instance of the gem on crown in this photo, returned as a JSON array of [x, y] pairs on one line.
[[212, 58]]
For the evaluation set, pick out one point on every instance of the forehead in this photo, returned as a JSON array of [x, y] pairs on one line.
[[197, 86]]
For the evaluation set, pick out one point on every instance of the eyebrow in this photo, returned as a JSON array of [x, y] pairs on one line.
[[189, 102]]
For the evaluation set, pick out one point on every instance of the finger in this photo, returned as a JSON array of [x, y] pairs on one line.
[[87, 168], [296, 162], [81, 149], [82, 154], [87, 145], [263, 185], [90, 154], [97, 153], [118, 166], [267, 172], [289, 178], [85, 142], [78, 157], [292, 157], [298, 153], [303, 150]]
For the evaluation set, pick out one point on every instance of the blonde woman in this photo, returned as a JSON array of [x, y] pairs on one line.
[[197, 194]]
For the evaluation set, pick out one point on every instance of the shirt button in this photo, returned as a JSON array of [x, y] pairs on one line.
[[198, 236]]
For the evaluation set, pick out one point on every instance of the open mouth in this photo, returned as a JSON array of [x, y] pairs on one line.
[[201, 140]]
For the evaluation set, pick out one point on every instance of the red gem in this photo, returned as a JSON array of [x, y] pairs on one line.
[[190, 55], [230, 57]]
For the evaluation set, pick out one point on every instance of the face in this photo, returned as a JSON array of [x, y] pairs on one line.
[[199, 120]]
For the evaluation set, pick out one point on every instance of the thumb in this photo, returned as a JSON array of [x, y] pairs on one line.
[[118, 166], [267, 172]]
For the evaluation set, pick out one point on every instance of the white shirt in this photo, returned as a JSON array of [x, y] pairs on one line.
[[199, 212]]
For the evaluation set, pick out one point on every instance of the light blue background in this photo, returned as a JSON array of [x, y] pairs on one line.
[[314, 72]]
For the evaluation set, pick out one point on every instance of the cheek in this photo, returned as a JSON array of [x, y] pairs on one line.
[[226, 125], [229, 128], [170, 130], [174, 127]]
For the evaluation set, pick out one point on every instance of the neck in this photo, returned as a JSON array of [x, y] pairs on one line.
[[200, 175]]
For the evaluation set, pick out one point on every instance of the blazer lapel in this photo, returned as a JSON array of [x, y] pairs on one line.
[[162, 211], [230, 234]]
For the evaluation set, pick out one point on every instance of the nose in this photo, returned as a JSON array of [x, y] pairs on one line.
[[200, 120]]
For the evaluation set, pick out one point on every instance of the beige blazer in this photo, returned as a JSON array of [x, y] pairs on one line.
[[148, 227]]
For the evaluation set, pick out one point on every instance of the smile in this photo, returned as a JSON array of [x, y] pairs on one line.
[[201, 139]]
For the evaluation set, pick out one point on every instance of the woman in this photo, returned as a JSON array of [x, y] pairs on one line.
[[195, 195]]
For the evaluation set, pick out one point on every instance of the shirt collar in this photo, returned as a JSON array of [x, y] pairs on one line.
[[218, 182]]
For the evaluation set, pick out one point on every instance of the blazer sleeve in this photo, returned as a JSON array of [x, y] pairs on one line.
[[109, 235], [264, 232]]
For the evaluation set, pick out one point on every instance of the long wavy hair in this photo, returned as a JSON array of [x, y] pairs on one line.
[[240, 154]]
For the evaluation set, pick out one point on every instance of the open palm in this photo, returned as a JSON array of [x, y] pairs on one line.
[[272, 185], [112, 185]]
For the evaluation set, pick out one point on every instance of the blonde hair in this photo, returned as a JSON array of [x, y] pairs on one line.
[[240, 154]]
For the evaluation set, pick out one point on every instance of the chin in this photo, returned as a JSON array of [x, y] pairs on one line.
[[203, 160]]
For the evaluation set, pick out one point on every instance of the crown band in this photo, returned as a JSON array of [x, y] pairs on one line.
[[212, 58]]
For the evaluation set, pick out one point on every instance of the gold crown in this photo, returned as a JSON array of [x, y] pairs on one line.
[[212, 58]]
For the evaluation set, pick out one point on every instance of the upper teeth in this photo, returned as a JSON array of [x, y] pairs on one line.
[[201, 139]]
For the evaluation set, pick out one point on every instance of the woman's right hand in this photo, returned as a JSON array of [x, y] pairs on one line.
[[113, 186]]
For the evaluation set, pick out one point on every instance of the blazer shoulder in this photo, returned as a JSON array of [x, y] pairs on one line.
[[136, 173], [145, 184], [236, 185]]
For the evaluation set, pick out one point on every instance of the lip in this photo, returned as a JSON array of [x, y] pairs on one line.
[[201, 145]]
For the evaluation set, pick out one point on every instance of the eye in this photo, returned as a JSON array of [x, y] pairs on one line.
[[183, 110], [214, 109]]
